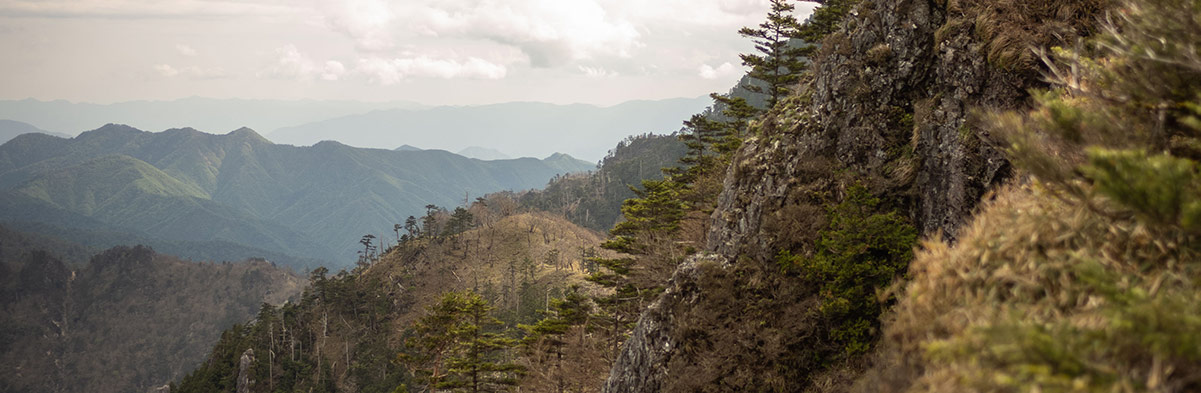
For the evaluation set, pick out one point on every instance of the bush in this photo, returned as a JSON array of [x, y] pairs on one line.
[[860, 253]]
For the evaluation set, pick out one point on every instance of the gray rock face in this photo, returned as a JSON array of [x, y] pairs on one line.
[[642, 364], [244, 364], [887, 106]]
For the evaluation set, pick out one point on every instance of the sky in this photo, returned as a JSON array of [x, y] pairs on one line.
[[435, 52]]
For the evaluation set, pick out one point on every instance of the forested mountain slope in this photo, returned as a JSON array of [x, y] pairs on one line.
[[128, 320], [183, 185]]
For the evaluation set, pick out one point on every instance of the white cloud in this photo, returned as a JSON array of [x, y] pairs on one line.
[[185, 50], [290, 63], [386, 71], [191, 72], [548, 32], [145, 8], [597, 72], [366, 21], [724, 70]]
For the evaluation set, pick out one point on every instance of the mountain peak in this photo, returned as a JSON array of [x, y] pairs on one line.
[[558, 157], [114, 128], [407, 147], [247, 133]]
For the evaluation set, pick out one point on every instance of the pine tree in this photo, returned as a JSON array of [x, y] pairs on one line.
[[549, 334], [479, 364], [456, 346], [434, 339], [653, 216], [779, 63]]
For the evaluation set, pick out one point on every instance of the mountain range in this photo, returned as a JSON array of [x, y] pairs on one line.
[[201, 113], [233, 196], [520, 129]]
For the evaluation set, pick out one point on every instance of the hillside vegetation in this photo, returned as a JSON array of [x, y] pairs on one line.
[[350, 329], [128, 320], [307, 205]]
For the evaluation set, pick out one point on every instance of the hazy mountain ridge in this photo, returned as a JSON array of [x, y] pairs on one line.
[[306, 201], [9, 129], [203, 113], [585, 131]]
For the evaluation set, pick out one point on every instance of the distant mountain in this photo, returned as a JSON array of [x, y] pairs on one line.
[[208, 114], [9, 129], [519, 129], [182, 189], [483, 153], [127, 320], [407, 148]]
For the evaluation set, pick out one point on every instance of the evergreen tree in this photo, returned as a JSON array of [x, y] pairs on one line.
[[653, 216], [412, 228], [549, 334], [480, 365], [779, 62], [434, 339], [456, 346]]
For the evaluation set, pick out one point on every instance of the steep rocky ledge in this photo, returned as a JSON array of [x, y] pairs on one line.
[[887, 106]]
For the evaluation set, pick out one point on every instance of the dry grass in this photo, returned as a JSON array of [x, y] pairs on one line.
[[1011, 28], [1036, 286]]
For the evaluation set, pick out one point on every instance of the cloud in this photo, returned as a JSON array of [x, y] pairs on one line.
[[185, 50], [290, 63], [190, 72], [722, 71], [548, 32], [386, 71], [365, 21], [597, 72], [138, 9]]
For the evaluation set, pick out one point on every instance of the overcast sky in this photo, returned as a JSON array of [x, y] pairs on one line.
[[430, 51]]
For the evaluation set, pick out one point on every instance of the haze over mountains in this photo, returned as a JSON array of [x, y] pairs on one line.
[[519, 129], [238, 195]]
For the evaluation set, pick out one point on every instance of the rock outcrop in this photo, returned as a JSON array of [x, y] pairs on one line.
[[888, 107]]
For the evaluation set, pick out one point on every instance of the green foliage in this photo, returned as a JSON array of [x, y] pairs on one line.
[[860, 253], [456, 346], [779, 63], [1161, 188], [651, 217]]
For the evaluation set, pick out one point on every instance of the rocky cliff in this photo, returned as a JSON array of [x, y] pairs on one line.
[[887, 106]]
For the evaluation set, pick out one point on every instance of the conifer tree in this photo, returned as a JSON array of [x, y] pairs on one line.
[[779, 62], [479, 364], [570, 312], [456, 346]]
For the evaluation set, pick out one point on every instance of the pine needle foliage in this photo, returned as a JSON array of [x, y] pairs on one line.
[[778, 63], [859, 254], [457, 345]]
